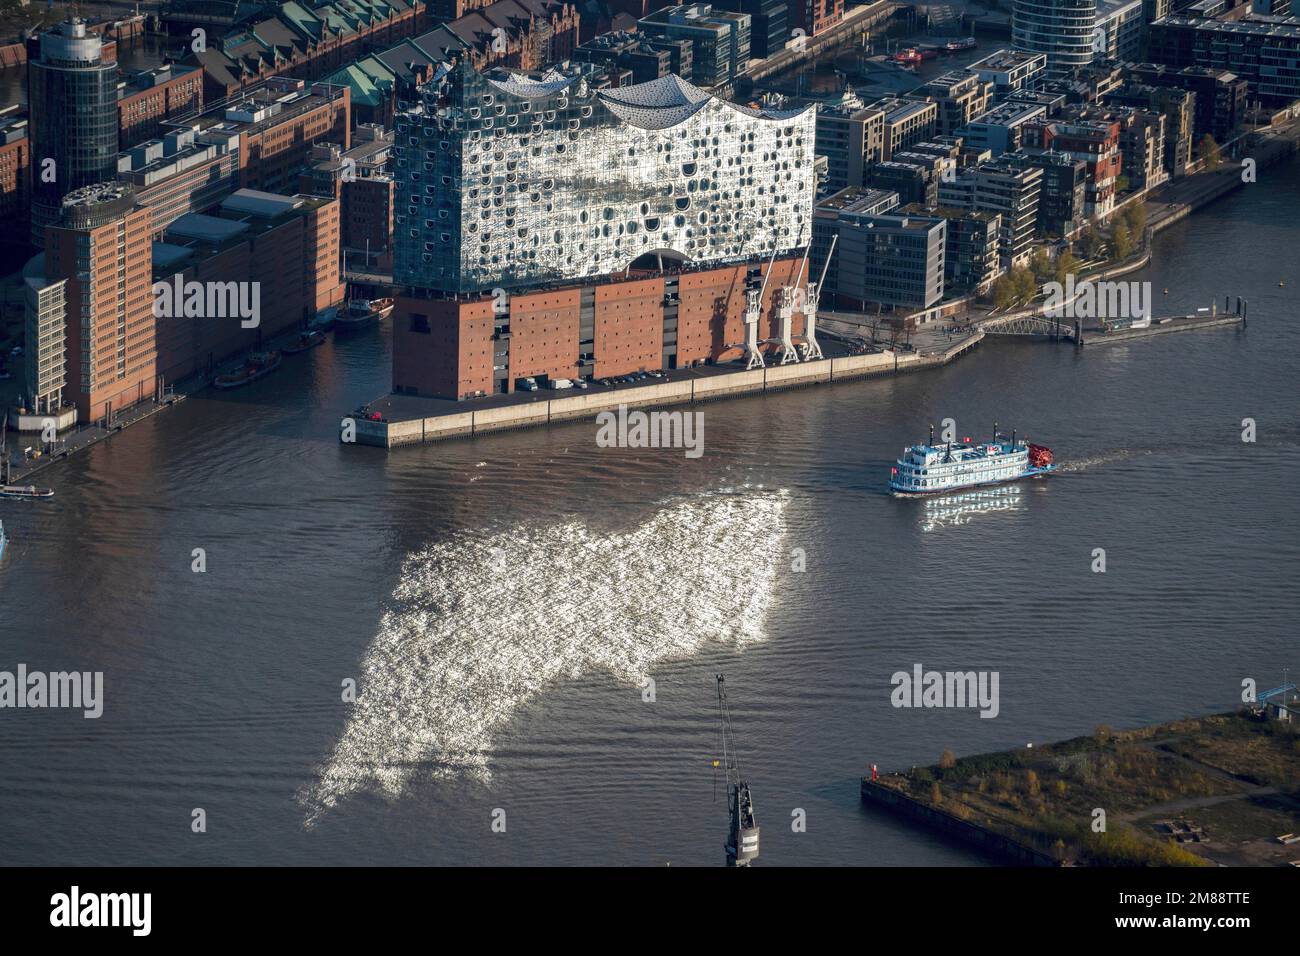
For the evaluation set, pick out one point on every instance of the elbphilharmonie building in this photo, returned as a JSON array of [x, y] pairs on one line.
[[514, 181]]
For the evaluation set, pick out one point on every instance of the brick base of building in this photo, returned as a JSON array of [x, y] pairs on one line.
[[460, 347]]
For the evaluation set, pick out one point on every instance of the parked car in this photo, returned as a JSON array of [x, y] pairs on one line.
[[528, 385], [579, 383], [656, 374], [608, 382]]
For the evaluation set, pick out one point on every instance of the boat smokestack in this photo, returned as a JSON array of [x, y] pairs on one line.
[[1013, 439], [931, 442], [995, 431]]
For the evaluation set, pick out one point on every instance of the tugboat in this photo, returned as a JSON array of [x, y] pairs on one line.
[[361, 313], [930, 468], [258, 364], [305, 340]]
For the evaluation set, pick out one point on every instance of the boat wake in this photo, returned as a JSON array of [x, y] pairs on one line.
[[1096, 461], [480, 624]]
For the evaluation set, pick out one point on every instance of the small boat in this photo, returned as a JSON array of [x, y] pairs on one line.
[[324, 319], [956, 46], [361, 313], [305, 340], [258, 364], [25, 491], [3, 541]]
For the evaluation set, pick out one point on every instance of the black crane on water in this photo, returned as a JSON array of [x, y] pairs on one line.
[[742, 834]]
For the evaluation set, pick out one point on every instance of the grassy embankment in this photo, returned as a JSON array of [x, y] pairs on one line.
[[1201, 769]]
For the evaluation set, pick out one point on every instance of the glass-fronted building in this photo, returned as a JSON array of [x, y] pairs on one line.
[[72, 94], [516, 181]]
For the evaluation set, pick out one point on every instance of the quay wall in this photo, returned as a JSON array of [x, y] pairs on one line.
[[936, 818], [410, 431]]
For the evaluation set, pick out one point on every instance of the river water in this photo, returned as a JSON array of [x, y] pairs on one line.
[[502, 602]]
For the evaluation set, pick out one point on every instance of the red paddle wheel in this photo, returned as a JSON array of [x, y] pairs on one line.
[[1040, 456]]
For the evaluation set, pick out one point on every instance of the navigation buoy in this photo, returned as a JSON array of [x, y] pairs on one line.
[[1166, 291]]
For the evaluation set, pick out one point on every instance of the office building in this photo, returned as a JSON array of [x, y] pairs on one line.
[[287, 245], [1220, 104], [45, 321], [180, 173], [720, 44], [851, 135], [1096, 143], [100, 247], [906, 121], [147, 98], [271, 128], [1261, 50], [1062, 193], [879, 259], [1000, 129], [770, 26], [72, 95], [971, 256], [1007, 188], [959, 97], [1011, 71]]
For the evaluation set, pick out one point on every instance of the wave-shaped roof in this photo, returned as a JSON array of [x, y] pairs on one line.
[[518, 84], [669, 100]]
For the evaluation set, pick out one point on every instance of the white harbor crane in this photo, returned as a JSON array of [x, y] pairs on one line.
[[788, 300], [753, 312], [809, 347], [742, 833]]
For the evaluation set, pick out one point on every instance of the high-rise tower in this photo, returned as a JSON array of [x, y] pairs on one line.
[[100, 245], [72, 91], [1065, 30]]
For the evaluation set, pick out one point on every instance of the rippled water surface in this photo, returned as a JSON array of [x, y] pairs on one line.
[[505, 602]]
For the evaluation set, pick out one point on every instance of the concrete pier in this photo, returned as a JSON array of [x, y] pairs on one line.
[[408, 421]]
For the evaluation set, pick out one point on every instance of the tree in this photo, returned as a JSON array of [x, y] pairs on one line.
[[1135, 215], [1121, 241], [947, 761], [1026, 287], [1066, 264], [1121, 184], [1003, 291], [1041, 264], [1090, 242], [1208, 150], [936, 795]]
